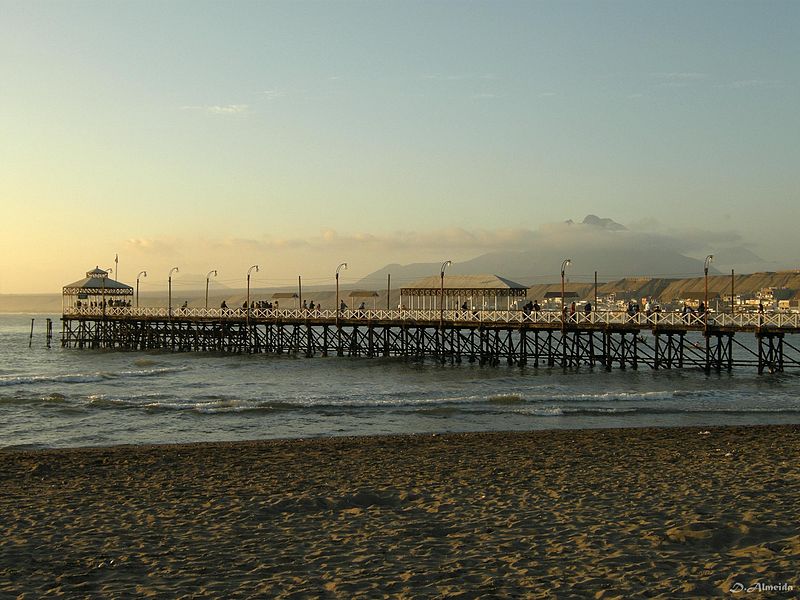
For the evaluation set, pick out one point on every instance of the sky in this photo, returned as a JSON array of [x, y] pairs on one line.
[[299, 135]]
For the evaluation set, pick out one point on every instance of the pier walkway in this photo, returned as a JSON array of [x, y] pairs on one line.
[[744, 321]]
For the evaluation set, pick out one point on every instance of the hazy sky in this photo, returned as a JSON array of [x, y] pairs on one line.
[[297, 135]]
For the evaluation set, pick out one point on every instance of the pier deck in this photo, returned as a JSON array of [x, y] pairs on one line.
[[605, 339]]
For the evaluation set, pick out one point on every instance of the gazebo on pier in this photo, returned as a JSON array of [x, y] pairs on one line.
[[480, 292], [96, 290]]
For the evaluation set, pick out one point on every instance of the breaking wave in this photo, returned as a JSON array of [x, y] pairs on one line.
[[86, 377]]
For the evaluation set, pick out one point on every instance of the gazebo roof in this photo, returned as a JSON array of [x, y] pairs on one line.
[[567, 294], [97, 281], [459, 285]]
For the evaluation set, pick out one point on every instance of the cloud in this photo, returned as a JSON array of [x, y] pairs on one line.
[[449, 238], [311, 255], [753, 83], [460, 77], [678, 79], [474, 241], [692, 240], [160, 246], [217, 109], [680, 76], [272, 94]]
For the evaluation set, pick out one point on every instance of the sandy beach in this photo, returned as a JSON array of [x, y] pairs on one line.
[[664, 513]]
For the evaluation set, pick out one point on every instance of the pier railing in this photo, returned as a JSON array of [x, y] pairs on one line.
[[697, 321]]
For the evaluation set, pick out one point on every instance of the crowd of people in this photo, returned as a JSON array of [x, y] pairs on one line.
[[532, 307], [103, 304]]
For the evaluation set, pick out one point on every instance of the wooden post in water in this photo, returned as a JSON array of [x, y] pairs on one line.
[[49, 331], [30, 339]]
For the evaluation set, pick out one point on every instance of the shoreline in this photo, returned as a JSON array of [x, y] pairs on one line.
[[665, 512], [394, 437], [387, 437]]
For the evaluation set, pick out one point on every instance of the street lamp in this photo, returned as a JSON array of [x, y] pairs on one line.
[[248, 287], [141, 274], [169, 297], [248, 303], [341, 266], [564, 264], [708, 260], [445, 264], [208, 275]]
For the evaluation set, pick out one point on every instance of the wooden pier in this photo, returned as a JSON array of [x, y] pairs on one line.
[[601, 339]]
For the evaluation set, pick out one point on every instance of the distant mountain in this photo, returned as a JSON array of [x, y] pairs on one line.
[[536, 266], [596, 244], [610, 224]]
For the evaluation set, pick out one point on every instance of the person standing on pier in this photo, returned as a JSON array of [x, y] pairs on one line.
[[687, 311]]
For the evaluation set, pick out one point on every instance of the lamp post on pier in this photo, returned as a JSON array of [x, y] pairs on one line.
[[564, 264], [248, 303], [248, 288], [707, 261], [341, 266], [169, 297], [141, 274], [445, 264], [208, 276]]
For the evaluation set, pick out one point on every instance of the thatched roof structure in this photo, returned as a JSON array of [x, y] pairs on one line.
[[492, 286]]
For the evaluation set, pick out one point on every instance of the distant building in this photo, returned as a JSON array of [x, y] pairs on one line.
[[552, 298], [480, 292], [695, 298]]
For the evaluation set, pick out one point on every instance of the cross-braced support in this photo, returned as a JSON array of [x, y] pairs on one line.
[[770, 351], [570, 346]]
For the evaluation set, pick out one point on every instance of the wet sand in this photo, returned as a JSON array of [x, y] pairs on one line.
[[666, 513]]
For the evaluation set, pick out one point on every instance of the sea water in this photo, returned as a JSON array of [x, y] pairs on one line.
[[54, 397]]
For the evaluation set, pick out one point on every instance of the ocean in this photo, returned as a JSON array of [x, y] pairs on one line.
[[54, 397]]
